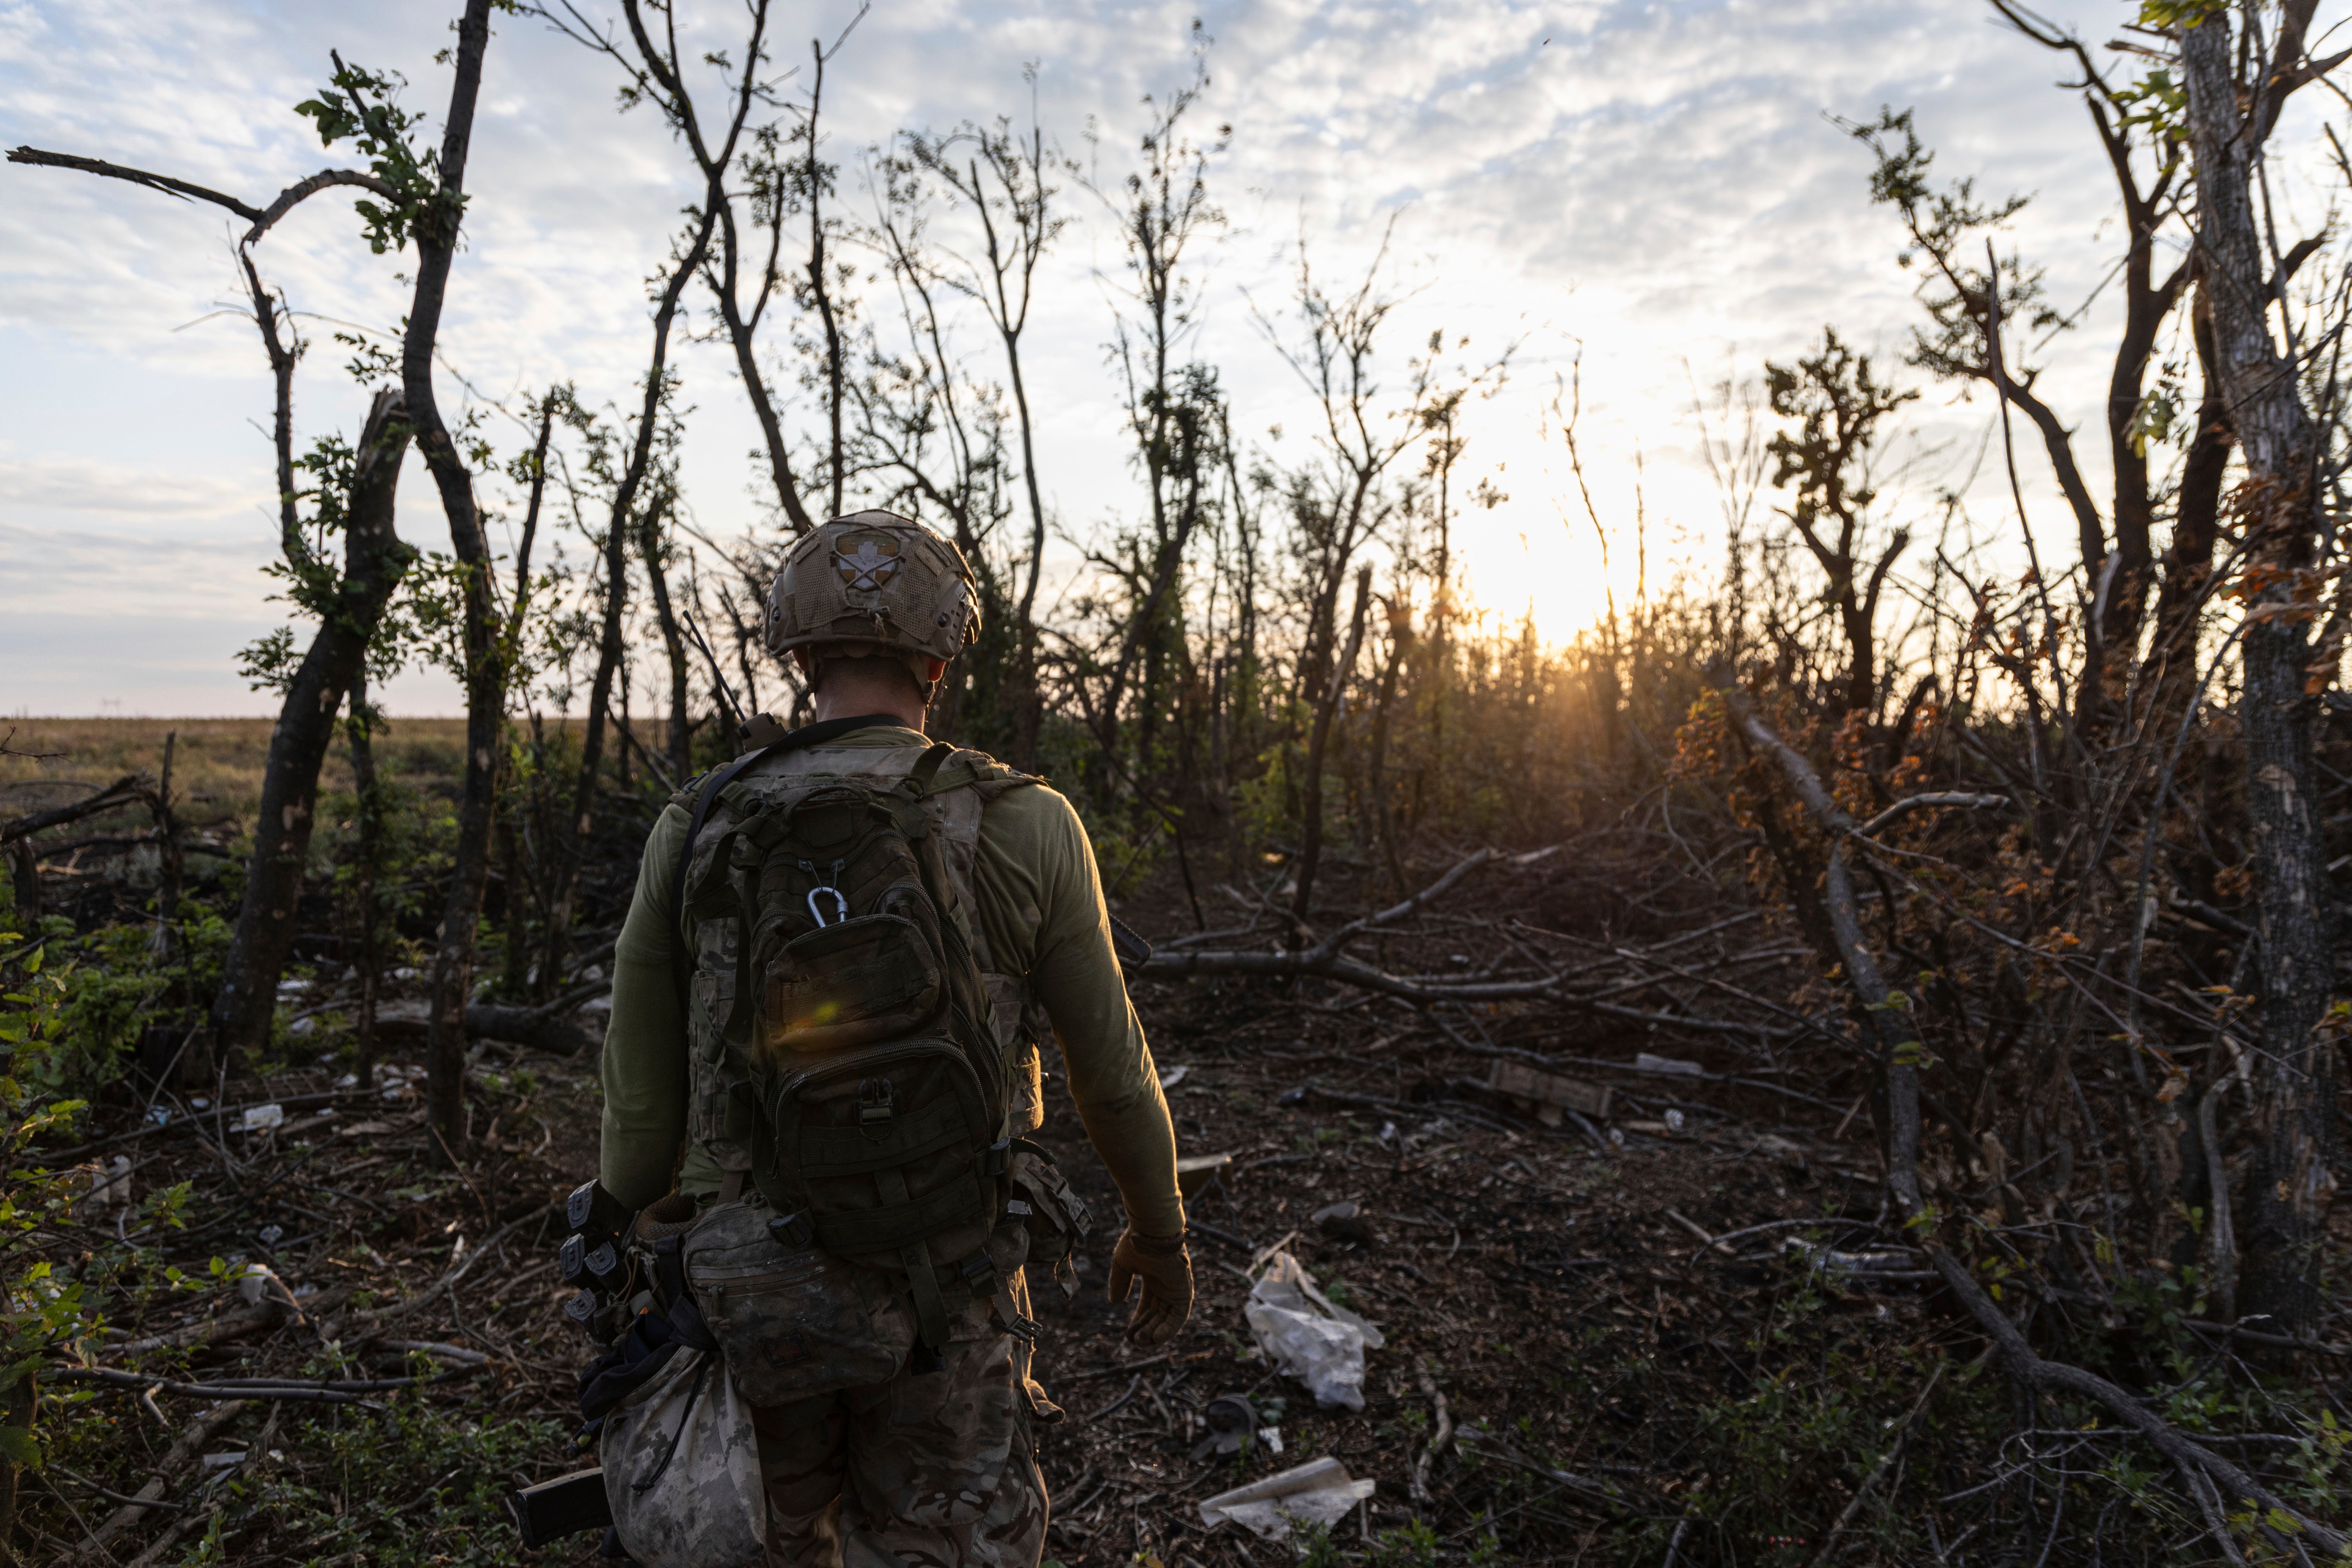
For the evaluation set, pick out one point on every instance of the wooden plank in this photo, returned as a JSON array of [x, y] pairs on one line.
[[1548, 1090]]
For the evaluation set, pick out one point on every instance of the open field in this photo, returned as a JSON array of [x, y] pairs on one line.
[[216, 763]]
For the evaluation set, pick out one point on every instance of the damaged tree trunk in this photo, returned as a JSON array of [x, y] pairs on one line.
[[375, 559], [571, 833], [486, 668], [1334, 691], [2289, 1179]]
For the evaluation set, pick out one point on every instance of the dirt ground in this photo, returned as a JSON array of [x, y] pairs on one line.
[[1554, 1306], [1541, 1286], [1526, 1276]]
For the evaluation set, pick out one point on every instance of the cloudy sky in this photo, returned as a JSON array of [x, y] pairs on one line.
[[1653, 186]]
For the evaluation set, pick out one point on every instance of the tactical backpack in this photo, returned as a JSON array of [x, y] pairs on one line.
[[848, 1059]]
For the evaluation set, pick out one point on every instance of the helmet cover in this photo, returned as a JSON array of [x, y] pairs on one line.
[[874, 584]]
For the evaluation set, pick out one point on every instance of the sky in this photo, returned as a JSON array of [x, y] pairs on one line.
[[1649, 195]]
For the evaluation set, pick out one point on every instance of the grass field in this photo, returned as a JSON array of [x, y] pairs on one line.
[[217, 764]]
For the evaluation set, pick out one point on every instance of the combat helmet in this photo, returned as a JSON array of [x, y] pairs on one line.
[[874, 584]]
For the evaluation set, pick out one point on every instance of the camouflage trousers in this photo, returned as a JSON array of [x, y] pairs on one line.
[[933, 1470]]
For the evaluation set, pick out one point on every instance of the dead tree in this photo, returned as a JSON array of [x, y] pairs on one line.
[[375, 560], [1174, 409], [653, 548], [1015, 204], [571, 834], [656, 71], [1310, 849], [2233, 101]]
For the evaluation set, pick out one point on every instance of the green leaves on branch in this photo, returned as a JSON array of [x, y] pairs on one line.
[[358, 106]]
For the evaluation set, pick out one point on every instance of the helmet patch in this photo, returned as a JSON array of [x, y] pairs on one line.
[[872, 563]]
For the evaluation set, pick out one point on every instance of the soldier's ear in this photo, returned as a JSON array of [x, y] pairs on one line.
[[934, 669]]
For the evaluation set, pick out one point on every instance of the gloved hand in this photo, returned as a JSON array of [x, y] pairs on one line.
[[1167, 1275]]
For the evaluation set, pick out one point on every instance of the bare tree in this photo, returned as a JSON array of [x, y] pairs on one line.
[[571, 833], [2234, 95], [439, 209], [653, 68], [1004, 181]]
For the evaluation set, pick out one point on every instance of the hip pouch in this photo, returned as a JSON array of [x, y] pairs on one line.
[[792, 1322]]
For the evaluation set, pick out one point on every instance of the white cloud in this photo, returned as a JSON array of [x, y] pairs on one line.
[[92, 485], [1657, 183]]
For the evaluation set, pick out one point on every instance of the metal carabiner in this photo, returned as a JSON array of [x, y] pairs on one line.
[[840, 900]]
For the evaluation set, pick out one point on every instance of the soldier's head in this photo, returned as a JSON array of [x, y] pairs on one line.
[[872, 597]]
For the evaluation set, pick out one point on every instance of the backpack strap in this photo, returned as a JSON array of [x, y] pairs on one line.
[[927, 768]]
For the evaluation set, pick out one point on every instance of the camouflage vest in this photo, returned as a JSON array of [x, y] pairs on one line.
[[855, 1055]]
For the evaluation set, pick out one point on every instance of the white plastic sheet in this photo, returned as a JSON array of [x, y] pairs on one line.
[[1318, 1492], [1308, 1336]]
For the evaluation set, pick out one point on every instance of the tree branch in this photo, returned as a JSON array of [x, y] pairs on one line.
[[130, 787], [165, 182], [262, 219]]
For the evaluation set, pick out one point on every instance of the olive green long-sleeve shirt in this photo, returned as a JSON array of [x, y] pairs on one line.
[[1041, 915]]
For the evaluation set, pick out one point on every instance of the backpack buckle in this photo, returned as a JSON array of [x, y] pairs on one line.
[[877, 1107], [793, 1230]]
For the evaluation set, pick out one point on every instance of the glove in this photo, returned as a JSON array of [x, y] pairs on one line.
[[1167, 1275]]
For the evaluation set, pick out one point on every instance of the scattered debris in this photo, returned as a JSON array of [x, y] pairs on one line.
[[1644, 1062], [110, 1184], [1197, 1173], [1307, 1335], [1230, 1419], [1175, 1075], [1345, 1221], [261, 1118], [1882, 1262], [1318, 1492], [1549, 1094]]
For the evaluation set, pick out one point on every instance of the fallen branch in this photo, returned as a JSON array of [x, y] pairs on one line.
[[1394, 912], [252, 1389], [123, 790], [182, 1453], [213, 1332], [1445, 1435], [1932, 799], [534, 1026]]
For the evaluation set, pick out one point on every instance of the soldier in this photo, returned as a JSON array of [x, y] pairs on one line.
[[879, 1330]]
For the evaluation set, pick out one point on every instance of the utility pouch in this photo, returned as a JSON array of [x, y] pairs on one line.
[[1055, 1215], [681, 1465], [851, 983], [791, 1320]]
